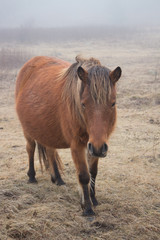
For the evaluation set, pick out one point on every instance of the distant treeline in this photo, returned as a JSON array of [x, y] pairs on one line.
[[35, 35]]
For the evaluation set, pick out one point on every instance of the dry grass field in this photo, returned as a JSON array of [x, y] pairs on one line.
[[128, 182]]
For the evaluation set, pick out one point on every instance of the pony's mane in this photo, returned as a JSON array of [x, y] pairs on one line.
[[99, 82]]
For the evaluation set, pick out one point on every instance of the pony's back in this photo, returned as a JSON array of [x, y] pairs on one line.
[[32, 66]]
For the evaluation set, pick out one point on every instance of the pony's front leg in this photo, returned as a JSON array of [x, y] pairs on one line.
[[93, 169], [78, 154]]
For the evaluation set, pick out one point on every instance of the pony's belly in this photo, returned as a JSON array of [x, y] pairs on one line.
[[51, 139], [58, 144]]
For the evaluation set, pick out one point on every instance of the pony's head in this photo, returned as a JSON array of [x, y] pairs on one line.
[[98, 105]]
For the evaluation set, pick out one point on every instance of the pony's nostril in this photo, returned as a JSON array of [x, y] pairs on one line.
[[90, 148], [104, 148]]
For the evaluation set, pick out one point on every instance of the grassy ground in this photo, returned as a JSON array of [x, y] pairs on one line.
[[128, 186]]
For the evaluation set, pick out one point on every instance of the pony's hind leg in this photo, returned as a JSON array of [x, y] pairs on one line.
[[55, 164], [30, 147], [93, 169]]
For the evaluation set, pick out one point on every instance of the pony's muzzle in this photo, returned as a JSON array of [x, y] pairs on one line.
[[101, 152]]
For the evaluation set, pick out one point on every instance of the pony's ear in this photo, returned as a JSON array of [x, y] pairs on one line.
[[82, 74], [115, 75]]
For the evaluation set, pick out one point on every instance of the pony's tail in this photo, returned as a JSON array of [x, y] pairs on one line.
[[59, 162], [42, 157], [42, 152]]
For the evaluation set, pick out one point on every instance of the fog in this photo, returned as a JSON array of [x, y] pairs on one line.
[[68, 13]]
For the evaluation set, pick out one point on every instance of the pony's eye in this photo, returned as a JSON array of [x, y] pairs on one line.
[[113, 104], [83, 105]]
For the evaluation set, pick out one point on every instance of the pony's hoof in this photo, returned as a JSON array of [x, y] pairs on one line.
[[94, 201], [32, 180], [60, 182], [88, 212]]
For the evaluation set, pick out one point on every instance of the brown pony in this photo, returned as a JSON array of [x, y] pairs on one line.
[[61, 105]]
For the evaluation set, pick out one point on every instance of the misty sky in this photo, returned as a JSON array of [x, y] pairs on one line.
[[60, 13]]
